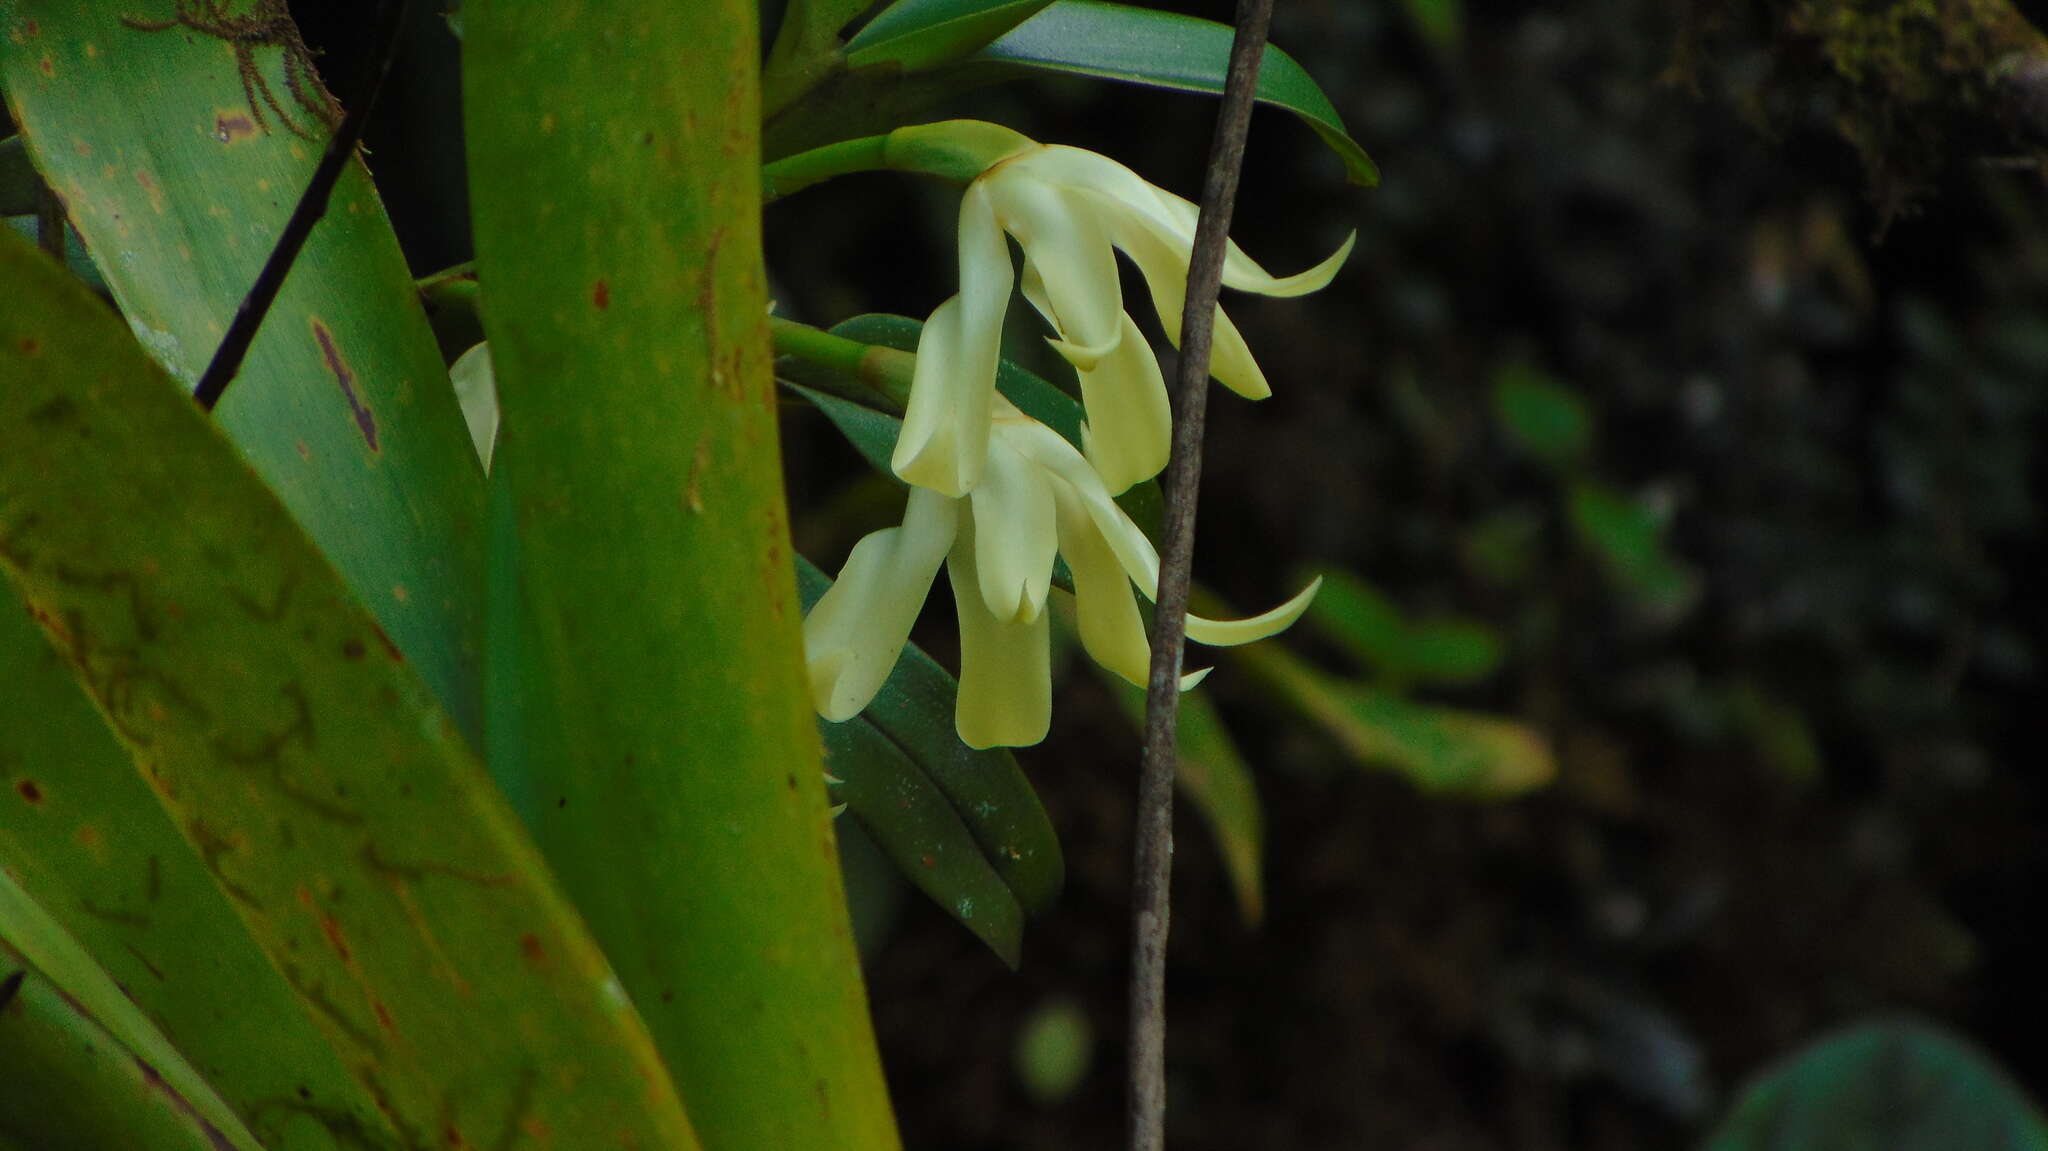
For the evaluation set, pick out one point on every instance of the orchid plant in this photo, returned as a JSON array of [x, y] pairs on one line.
[[399, 764]]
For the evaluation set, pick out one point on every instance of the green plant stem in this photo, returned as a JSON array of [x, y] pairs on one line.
[[795, 173], [866, 374]]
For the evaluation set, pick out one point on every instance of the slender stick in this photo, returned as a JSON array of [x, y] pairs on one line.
[[234, 346], [1152, 866]]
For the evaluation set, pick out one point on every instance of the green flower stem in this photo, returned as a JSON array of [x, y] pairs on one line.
[[957, 150], [865, 374], [795, 173]]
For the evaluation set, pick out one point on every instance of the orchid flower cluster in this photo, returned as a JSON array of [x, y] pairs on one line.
[[996, 495]]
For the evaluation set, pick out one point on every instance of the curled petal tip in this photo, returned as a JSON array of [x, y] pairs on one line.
[[1084, 356], [1193, 679], [1299, 284], [1233, 632]]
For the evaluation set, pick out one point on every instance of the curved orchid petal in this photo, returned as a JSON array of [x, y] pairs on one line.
[[1232, 632], [944, 441], [1112, 628], [1165, 268], [1069, 247], [859, 626], [1129, 432], [1079, 169], [1045, 447], [1005, 667], [1015, 540]]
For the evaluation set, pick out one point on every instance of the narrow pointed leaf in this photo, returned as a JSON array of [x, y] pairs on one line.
[[921, 834], [1440, 650], [302, 756], [180, 175], [1167, 50], [65, 1081], [669, 741], [101, 1020], [1439, 749], [916, 34], [987, 790], [84, 837]]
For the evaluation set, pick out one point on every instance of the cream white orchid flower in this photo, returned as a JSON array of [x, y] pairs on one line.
[[1070, 211], [1038, 497]]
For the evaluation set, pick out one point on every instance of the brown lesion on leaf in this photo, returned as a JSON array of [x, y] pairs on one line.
[[115, 916], [520, 1123], [109, 583], [267, 752], [267, 24], [153, 969], [30, 790], [317, 998], [345, 378], [212, 845], [413, 872], [232, 127]]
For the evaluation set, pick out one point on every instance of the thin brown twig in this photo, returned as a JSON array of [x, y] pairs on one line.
[[1152, 865]]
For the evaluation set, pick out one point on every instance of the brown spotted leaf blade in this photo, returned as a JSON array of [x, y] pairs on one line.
[[302, 756], [84, 837], [179, 150], [669, 736]]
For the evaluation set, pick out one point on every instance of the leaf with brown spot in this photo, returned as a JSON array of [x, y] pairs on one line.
[[436, 885], [141, 903], [178, 164]]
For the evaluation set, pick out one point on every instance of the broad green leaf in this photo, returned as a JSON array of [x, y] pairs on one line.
[[300, 753], [1543, 417], [180, 174], [1213, 775], [806, 47], [126, 1041], [20, 187], [1890, 1085], [918, 34], [990, 795], [1451, 650], [1444, 650], [872, 433], [1168, 50], [911, 822], [1081, 37], [1439, 749], [1361, 618], [65, 1081], [84, 836], [666, 728]]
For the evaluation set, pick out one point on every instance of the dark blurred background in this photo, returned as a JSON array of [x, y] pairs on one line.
[[1790, 260]]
